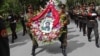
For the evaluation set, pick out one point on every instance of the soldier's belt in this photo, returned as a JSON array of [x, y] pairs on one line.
[[91, 20]]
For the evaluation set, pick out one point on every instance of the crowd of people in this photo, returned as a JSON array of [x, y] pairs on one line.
[[85, 17]]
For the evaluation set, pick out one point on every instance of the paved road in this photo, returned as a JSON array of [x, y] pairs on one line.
[[77, 45]]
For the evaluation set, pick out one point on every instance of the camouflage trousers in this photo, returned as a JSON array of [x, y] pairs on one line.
[[63, 39]]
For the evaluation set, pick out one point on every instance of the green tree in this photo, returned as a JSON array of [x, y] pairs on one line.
[[74, 2]]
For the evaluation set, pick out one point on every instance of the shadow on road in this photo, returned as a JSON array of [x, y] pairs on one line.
[[17, 44], [70, 27], [71, 31], [52, 48], [22, 40], [72, 36], [73, 45], [55, 48]]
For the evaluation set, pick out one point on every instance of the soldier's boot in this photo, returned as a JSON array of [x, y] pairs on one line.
[[12, 41], [89, 37], [30, 36], [77, 23], [64, 51], [60, 39], [36, 46], [84, 29], [24, 32], [84, 32], [15, 37], [80, 27], [33, 50], [96, 42]]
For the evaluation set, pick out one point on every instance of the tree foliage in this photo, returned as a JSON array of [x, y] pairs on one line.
[[18, 5], [74, 2]]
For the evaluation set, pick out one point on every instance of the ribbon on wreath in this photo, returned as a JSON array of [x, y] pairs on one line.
[[54, 12]]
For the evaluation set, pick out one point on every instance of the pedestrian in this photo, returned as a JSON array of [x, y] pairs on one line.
[[4, 42], [12, 19]]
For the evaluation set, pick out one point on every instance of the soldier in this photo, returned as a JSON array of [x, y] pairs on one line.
[[92, 25], [98, 11], [64, 19], [12, 18], [76, 12], [4, 42], [22, 18], [71, 13], [29, 15], [84, 19], [80, 18]]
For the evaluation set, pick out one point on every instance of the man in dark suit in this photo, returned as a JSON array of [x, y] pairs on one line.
[[4, 43], [12, 19], [47, 27], [22, 19]]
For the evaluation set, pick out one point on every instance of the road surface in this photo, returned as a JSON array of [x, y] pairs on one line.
[[78, 45]]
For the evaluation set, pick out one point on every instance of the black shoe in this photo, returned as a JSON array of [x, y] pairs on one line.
[[97, 45], [64, 51], [33, 50], [36, 46], [89, 40], [60, 46], [15, 38], [33, 54], [23, 34], [12, 41], [84, 34]]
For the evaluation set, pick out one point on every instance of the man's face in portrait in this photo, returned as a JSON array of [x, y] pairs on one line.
[[47, 24]]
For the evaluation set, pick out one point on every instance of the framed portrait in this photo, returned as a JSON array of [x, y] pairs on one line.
[[46, 25]]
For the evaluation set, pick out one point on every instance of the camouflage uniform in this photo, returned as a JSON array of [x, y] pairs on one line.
[[34, 42], [64, 22]]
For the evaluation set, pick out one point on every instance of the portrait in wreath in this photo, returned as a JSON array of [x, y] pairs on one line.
[[46, 25]]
